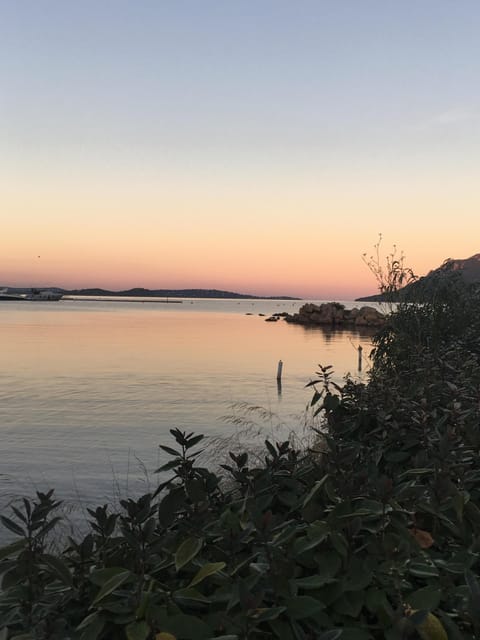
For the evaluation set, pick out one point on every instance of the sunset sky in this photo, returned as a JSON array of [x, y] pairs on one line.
[[251, 145]]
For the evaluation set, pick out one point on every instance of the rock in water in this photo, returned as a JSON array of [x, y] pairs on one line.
[[335, 314]]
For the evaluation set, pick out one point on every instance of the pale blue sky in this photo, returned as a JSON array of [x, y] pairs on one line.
[[223, 75]]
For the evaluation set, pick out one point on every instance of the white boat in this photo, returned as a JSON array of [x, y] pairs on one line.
[[35, 295], [43, 295], [4, 295]]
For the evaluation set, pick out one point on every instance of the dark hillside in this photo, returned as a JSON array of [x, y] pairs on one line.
[[464, 270]]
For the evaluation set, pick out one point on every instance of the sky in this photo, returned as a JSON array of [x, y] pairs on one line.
[[258, 146]]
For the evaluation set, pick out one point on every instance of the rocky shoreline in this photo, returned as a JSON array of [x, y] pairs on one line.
[[333, 314]]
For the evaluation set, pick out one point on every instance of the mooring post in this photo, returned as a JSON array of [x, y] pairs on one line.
[[360, 358], [279, 371]]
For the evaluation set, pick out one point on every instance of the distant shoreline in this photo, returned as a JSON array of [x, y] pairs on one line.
[[139, 292], [85, 298]]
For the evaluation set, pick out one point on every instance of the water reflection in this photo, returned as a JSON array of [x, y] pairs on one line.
[[331, 333], [87, 387]]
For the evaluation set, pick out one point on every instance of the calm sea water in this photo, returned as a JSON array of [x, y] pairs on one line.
[[88, 389]]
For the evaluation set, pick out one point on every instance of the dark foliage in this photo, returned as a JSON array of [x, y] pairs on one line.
[[373, 533]]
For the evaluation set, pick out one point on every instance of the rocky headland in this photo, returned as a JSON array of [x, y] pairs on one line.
[[334, 314]]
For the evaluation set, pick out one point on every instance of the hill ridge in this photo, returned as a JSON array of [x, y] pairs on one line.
[[466, 268], [158, 293]]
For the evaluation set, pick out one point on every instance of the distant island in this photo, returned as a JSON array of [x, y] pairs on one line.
[[140, 292], [466, 269]]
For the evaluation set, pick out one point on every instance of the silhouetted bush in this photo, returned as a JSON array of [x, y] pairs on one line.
[[372, 533]]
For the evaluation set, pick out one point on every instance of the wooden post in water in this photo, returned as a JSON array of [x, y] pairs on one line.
[[360, 357], [279, 371], [279, 377]]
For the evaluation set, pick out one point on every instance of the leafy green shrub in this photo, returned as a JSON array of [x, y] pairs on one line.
[[301, 547], [373, 533]]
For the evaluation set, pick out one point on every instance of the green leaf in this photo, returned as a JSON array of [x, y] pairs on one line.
[[328, 564], [170, 504], [207, 570], [88, 620], [331, 402], [92, 627], [288, 498], [332, 634], [100, 576], [356, 633], [285, 534], [423, 570], [397, 456], [195, 490], [48, 527], [301, 545], [137, 630], [473, 587], [339, 544], [313, 582], [187, 551], [472, 512], [188, 594], [474, 596], [350, 603], [171, 464], [112, 584], [415, 472], [452, 567], [317, 529], [12, 549], [271, 449], [358, 577], [418, 617], [376, 599], [186, 627], [191, 442], [19, 514], [58, 567], [426, 598], [314, 490], [282, 629], [264, 614], [451, 628], [371, 508], [170, 451], [13, 526], [304, 607]]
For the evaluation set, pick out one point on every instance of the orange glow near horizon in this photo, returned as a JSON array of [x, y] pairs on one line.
[[302, 238]]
